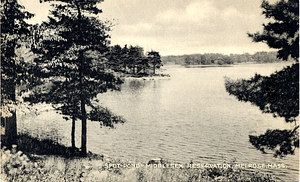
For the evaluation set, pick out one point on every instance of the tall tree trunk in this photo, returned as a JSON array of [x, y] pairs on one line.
[[83, 111], [73, 133], [10, 88], [83, 129], [82, 98], [11, 122], [10, 129]]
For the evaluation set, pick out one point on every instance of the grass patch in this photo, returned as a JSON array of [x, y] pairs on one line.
[[55, 162], [54, 168]]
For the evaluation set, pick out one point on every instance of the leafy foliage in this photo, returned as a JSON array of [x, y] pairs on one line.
[[14, 68], [155, 59], [71, 50], [130, 60], [221, 59], [105, 117], [277, 94], [283, 142], [282, 32]]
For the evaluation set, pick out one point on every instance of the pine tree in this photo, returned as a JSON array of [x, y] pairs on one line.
[[14, 69], [125, 57], [155, 60], [282, 32], [71, 48], [279, 93], [115, 58]]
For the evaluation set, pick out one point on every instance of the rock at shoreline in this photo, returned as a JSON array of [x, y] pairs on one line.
[[157, 161]]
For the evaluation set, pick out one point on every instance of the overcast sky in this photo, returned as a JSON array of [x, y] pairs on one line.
[[176, 27]]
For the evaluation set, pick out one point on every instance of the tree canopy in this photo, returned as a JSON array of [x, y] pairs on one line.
[[13, 29], [282, 32], [155, 60], [221, 59], [71, 48], [14, 69], [132, 60], [278, 93]]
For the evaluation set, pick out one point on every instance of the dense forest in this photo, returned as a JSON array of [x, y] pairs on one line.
[[132, 60], [221, 59]]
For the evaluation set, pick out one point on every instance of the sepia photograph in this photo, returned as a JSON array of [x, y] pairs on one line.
[[149, 91]]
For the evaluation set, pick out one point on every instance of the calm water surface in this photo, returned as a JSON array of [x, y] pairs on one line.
[[187, 117]]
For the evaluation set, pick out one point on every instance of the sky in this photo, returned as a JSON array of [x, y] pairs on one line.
[[177, 27]]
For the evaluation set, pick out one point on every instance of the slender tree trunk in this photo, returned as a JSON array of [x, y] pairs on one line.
[[12, 92], [82, 98], [12, 128], [73, 133], [83, 111], [83, 129], [11, 122], [9, 90]]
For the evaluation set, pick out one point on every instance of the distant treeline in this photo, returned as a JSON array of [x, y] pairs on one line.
[[132, 60], [220, 59]]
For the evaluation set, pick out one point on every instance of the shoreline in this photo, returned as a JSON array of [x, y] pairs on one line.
[[96, 167], [207, 66], [226, 65], [150, 77]]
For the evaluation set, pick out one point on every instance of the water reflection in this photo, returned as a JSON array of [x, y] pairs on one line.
[[135, 85], [189, 117]]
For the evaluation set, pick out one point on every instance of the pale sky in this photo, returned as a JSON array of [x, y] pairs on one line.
[[176, 27]]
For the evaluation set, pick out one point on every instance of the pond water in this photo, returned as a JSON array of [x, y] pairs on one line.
[[188, 117]]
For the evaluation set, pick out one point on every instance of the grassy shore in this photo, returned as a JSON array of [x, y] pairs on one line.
[[208, 66], [45, 160]]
